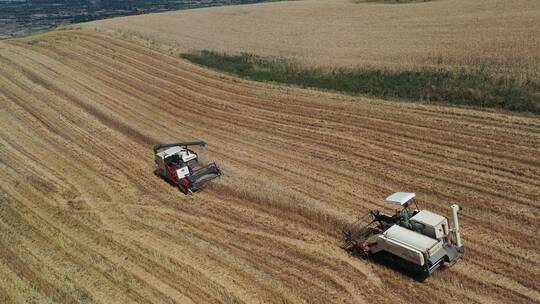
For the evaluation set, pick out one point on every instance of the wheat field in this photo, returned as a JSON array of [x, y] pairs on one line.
[[499, 37], [83, 219]]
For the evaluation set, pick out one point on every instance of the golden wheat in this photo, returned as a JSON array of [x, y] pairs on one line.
[[83, 218], [499, 37]]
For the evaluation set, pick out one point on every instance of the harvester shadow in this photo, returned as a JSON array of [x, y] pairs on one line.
[[396, 264], [171, 184]]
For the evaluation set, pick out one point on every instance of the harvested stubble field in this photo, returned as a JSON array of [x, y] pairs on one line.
[[498, 37], [84, 220]]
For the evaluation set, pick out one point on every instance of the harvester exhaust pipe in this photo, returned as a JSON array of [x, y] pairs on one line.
[[455, 210]]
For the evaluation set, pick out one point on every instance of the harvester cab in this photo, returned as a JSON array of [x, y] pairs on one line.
[[424, 240], [180, 166]]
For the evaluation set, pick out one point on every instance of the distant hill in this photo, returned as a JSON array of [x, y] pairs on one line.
[[20, 17]]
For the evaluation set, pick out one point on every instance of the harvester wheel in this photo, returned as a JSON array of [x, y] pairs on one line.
[[184, 185], [448, 263], [183, 188]]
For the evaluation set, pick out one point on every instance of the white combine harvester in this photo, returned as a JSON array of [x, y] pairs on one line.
[[180, 166], [424, 240]]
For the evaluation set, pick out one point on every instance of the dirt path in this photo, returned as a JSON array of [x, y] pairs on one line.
[[83, 219]]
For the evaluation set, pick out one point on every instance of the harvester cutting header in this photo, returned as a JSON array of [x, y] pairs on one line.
[[179, 165]]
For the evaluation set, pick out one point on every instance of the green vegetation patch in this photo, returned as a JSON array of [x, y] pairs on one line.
[[452, 87]]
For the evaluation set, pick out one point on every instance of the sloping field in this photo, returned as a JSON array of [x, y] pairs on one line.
[[495, 36], [84, 220]]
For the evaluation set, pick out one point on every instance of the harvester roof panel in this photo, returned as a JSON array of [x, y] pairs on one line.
[[400, 197], [170, 151]]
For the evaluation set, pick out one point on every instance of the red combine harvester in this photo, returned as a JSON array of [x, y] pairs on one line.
[[179, 165]]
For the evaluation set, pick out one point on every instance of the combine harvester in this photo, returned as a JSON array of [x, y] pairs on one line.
[[180, 166], [421, 240]]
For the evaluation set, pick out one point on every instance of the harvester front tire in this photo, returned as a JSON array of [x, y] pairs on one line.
[[183, 188]]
